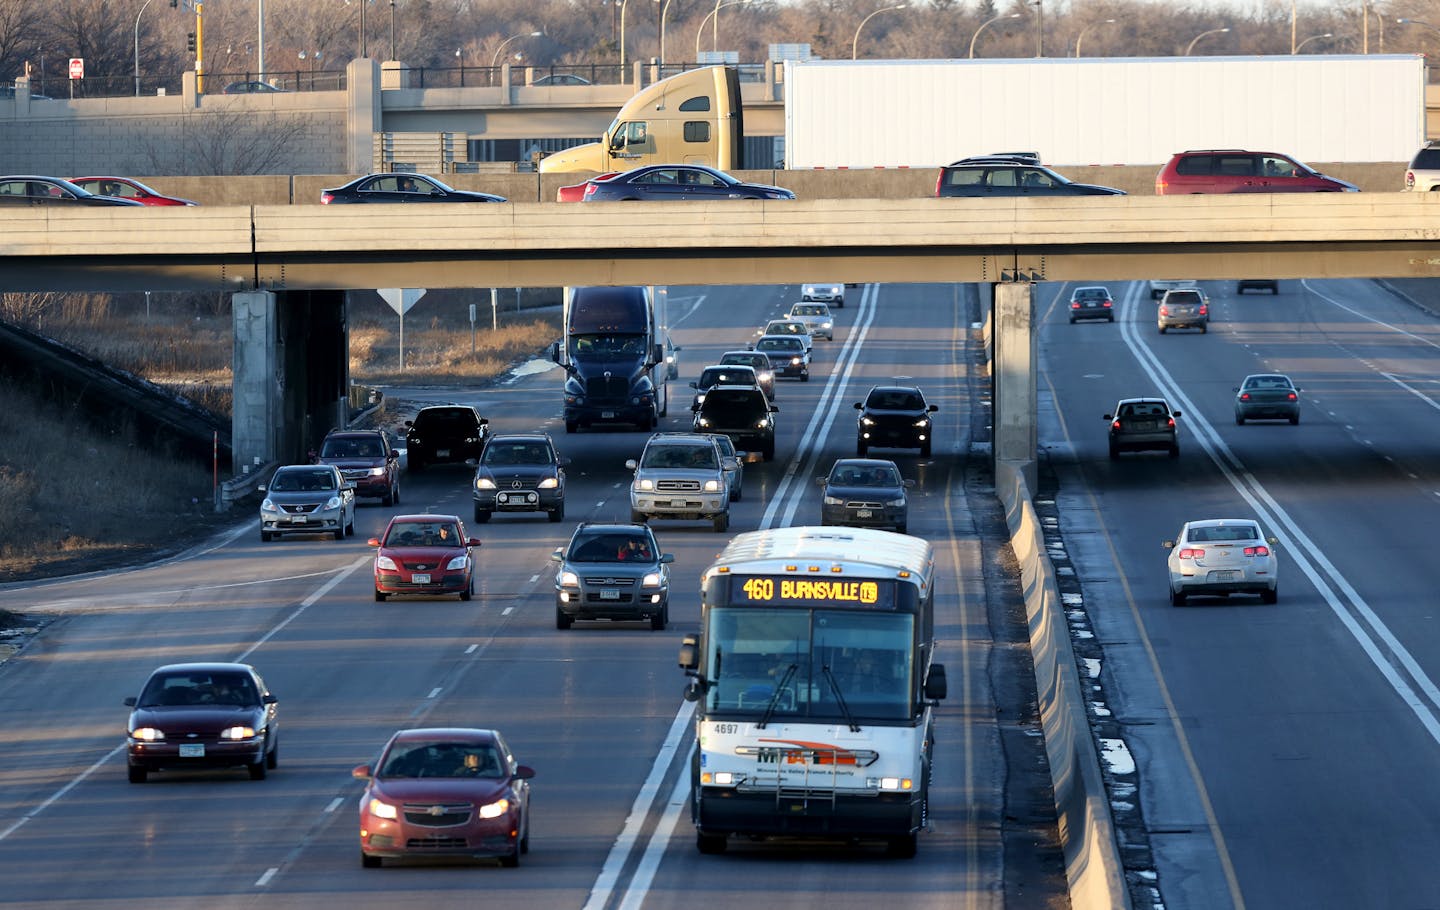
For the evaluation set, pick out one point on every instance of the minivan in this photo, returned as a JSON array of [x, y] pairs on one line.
[[1240, 171]]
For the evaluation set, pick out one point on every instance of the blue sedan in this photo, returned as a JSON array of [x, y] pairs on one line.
[[400, 187], [677, 181]]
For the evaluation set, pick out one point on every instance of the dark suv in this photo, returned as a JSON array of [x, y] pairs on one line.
[[741, 412], [1005, 175], [896, 417], [444, 433], [520, 473], [1241, 171], [367, 460], [612, 571], [1140, 424]]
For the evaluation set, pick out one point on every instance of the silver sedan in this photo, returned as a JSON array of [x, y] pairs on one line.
[[1222, 556]]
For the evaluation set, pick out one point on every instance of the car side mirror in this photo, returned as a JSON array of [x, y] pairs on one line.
[[261, 487], [409, 424], [632, 464], [1272, 541], [373, 542], [268, 699], [1108, 417], [473, 542], [1168, 544], [667, 558], [933, 408], [935, 684], [774, 409], [859, 406], [562, 461], [694, 384], [361, 772], [909, 482], [1174, 413], [523, 772], [130, 701]]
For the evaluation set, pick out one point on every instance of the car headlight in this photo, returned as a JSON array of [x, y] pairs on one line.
[[646, 485], [549, 483], [382, 809], [414, 441], [384, 562], [377, 472], [237, 733], [457, 563], [834, 501], [148, 734], [702, 421], [495, 809], [268, 506], [333, 502], [763, 422], [827, 325], [484, 483], [794, 361], [569, 580], [712, 486], [867, 421], [767, 376], [896, 503], [923, 422], [651, 580]]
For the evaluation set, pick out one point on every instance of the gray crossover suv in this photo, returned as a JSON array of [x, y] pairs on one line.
[[612, 571]]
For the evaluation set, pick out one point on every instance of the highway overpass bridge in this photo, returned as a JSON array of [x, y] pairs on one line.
[[289, 265]]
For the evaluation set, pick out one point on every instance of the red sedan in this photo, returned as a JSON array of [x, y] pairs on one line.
[[445, 792], [125, 188], [575, 192], [424, 554]]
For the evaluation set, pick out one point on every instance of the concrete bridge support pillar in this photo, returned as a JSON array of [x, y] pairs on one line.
[[291, 374], [1014, 377]]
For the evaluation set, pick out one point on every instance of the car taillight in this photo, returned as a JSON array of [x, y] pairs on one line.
[[1204, 309], [1164, 311], [325, 198], [1115, 425], [1192, 553], [1244, 396], [1409, 178], [589, 190], [1107, 303], [1074, 304], [1170, 422], [1290, 396], [1257, 551], [939, 182]]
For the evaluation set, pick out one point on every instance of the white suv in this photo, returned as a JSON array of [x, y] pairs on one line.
[[1423, 174], [680, 475], [824, 293]]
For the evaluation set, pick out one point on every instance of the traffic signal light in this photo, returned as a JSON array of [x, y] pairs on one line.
[[190, 42]]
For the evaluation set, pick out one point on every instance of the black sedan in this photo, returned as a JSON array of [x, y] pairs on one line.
[[677, 181], [894, 417], [1267, 396], [865, 493], [400, 188], [27, 189], [202, 715], [445, 433]]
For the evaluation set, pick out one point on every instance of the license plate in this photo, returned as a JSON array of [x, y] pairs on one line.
[[863, 513], [298, 519], [442, 453], [677, 503], [420, 579], [1225, 575], [607, 415], [1141, 425], [192, 750], [609, 594]]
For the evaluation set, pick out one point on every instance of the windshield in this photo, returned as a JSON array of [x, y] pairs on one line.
[[758, 361], [862, 475], [423, 534], [607, 345], [343, 447], [734, 407], [516, 453], [441, 759], [302, 481], [713, 377], [612, 547], [779, 343], [695, 456], [448, 420], [793, 663], [895, 400], [199, 688]]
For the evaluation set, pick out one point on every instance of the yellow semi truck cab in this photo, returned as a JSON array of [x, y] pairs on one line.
[[693, 117]]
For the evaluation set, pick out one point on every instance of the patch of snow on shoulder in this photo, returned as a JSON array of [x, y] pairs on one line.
[[1116, 756], [530, 368]]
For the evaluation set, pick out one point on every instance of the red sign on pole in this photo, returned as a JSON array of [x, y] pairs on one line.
[[77, 68]]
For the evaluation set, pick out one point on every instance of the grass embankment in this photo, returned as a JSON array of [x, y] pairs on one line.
[[78, 497]]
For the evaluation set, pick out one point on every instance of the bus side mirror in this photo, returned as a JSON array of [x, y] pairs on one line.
[[689, 658], [555, 352], [935, 688]]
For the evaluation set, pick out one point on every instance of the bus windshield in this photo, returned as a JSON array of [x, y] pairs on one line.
[[792, 663]]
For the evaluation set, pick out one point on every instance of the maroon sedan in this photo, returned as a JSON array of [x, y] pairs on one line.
[[445, 792], [126, 188], [424, 554], [202, 715]]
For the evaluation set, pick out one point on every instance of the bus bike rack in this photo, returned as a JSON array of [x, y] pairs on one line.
[[812, 759]]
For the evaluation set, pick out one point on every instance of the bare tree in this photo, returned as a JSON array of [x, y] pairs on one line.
[[22, 24], [226, 142]]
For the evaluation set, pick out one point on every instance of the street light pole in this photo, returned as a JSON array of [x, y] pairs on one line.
[[664, 14], [392, 29], [1214, 31], [260, 39], [983, 26], [701, 30], [1087, 28], [1312, 38], [137, 46], [495, 59], [714, 28], [622, 40], [855, 43], [1040, 30]]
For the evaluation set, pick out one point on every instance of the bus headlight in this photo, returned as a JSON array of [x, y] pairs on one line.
[[894, 784]]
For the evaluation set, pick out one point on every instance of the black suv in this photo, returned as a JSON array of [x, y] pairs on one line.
[[612, 571], [1010, 175], [741, 412], [894, 416], [1140, 424], [444, 433], [367, 460], [520, 473]]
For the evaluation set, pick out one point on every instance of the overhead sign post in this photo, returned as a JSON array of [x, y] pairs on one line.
[[401, 300]]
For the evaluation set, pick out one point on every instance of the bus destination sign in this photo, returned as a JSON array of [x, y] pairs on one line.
[[783, 590]]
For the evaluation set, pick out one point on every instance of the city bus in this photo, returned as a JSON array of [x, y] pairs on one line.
[[815, 685]]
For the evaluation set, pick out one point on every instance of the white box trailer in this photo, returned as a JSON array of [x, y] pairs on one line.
[[925, 113]]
